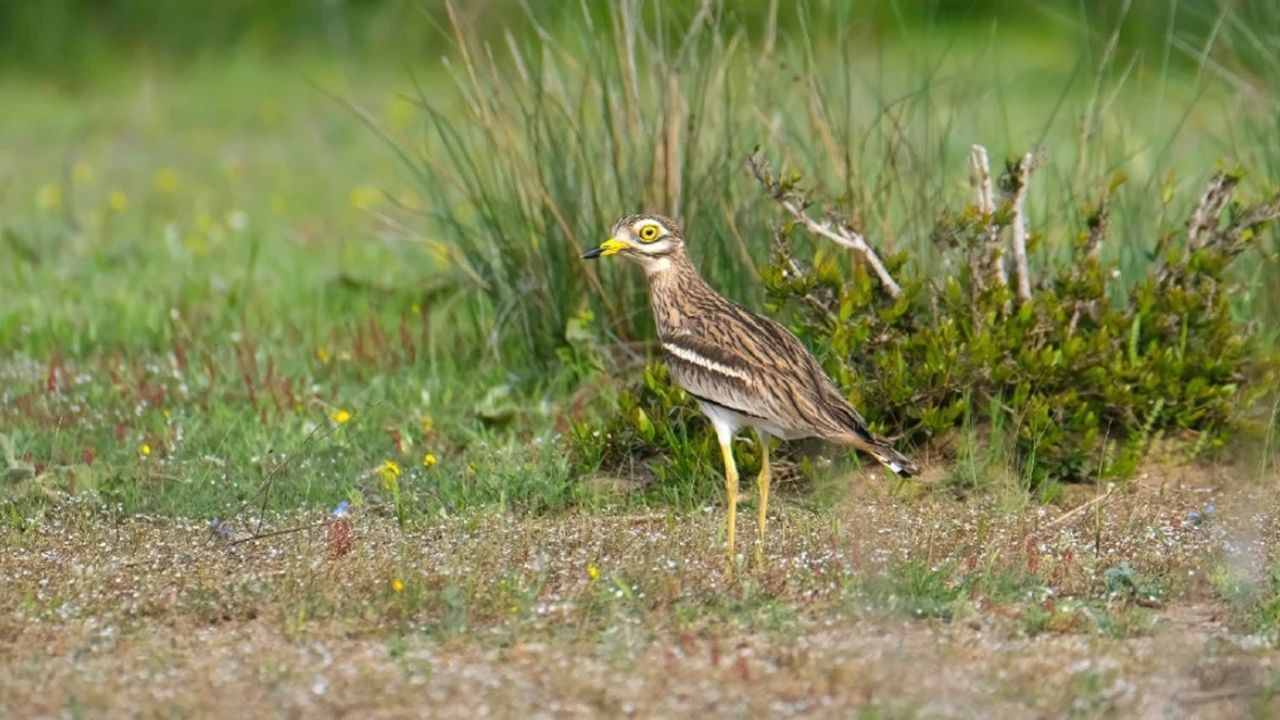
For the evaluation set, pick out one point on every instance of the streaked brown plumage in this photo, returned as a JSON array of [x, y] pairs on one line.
[[743, 369]]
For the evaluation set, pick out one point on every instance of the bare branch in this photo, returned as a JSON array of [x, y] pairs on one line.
[[1080, 509], [982, 179], [835, 231], [1020, 228], [1204, 221], [1255, 218], [993, 253], [1099, 227], [792, 267]]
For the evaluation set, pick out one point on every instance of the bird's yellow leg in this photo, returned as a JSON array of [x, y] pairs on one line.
[[762, 483], [730, 489]]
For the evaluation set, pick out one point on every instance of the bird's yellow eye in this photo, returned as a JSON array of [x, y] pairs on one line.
[[649, 233]]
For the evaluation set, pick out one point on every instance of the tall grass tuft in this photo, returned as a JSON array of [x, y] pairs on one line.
[[548, 141]]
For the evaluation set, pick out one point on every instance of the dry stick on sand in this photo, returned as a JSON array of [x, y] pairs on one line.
[[830, 228], [1080, 509], [1020, 228], [992, 259], [276, 533]]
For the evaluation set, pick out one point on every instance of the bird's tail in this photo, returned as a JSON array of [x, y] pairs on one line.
[[883, 451], [900, 464]]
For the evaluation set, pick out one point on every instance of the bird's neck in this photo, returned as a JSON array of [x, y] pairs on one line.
[[669, 281], [673, 269]]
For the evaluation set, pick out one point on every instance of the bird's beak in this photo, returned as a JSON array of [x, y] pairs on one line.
[[612, 246]]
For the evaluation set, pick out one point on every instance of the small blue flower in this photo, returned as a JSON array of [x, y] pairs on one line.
[[1193, 517], [1209, 509], [219, 529], [341, 509]]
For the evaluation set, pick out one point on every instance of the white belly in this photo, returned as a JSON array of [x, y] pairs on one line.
[[727, 422]]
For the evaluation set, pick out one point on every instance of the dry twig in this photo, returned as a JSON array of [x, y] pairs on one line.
[[1204, 221], [1080, 509], [1099, 227], [993, 253], [1205, 230], [829, 228], [1251, 220], [1020, 228], [1216, 694]]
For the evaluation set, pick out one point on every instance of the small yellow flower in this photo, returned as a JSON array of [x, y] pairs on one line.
[[400, 112], [427, 425], [593, 573], [322, 355], [429, 459], [397, 585], [196, 245], [168, 415], [81, 172], [49, 197], [364, 197], [118, 200], [389, 469], [409, 199], [167, 180], [145, 449], [439, 251], [342, 417]]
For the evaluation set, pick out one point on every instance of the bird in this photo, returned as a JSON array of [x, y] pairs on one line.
[[743, 369]]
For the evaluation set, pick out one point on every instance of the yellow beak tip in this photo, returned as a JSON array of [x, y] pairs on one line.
[[612, 246]]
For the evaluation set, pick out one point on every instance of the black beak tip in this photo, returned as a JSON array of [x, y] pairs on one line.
[[591, 254]]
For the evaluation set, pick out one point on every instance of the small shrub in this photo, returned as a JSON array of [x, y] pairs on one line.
[[1089, 373]]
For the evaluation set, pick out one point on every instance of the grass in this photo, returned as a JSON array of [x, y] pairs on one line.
[[218, 311], [224, 297], [215, 263]]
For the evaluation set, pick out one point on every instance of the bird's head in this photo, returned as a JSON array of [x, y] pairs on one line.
[[646, 239]]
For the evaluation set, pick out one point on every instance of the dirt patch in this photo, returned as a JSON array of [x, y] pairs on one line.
[[904, 668], [906, 607]]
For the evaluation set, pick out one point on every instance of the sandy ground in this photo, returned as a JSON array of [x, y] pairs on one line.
[[901, 668], [634, 615]]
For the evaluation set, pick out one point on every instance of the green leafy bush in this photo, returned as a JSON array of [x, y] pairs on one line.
[[1089, 373]]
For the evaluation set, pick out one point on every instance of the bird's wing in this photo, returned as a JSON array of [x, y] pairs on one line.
[[748, 363]]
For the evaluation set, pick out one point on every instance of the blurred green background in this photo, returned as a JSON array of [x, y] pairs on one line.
[[74, 41]]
